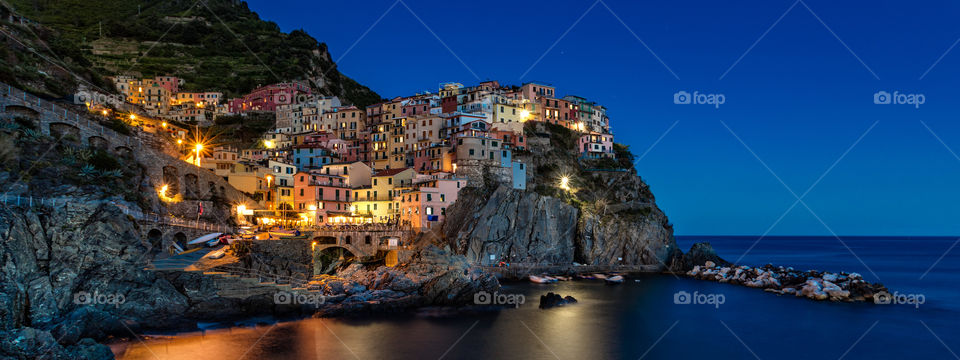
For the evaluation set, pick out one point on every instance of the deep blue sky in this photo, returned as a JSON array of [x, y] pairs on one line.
[[799, 99]]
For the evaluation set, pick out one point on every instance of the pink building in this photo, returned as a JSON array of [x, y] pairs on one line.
[[426, 205], [510, 139], [595, 145], [321, 195], [267, 98], [171, 83]]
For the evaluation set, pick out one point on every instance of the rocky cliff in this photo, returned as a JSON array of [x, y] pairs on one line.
[[607, 216]]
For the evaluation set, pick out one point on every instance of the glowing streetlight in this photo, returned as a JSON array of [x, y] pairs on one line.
[[104, 113], [164, 124], [268, 144], [133, 117], [240, 209], [312, 208], [198, 147], [565, 183], [179, 141], [268, 180], [524, 114], [454, 168]]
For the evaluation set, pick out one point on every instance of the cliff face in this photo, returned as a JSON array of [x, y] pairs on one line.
[[514, 226], [607, 216], [50, 259]]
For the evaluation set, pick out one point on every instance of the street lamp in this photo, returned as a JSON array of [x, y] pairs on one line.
[[198, 147], [565, 183]]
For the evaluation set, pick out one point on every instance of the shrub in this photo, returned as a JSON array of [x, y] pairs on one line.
[[103, 161]]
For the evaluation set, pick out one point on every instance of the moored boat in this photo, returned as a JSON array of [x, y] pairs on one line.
[[542, 279], [617, 279]]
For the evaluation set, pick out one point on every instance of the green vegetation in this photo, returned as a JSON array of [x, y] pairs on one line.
[[242, 131], [624, 156], [214, 45]]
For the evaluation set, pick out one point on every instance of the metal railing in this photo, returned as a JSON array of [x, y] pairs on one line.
[[61, 114], [31, 202]]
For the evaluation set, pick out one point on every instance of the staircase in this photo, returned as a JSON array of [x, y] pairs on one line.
[[244, 283]]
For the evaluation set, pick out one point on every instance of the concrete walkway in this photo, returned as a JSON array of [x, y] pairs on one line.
[[180, 262]]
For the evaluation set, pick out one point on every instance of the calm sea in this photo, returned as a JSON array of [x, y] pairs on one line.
[[642, 319]]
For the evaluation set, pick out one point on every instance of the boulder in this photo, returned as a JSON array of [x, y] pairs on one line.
[[702, 253], [553, 300]]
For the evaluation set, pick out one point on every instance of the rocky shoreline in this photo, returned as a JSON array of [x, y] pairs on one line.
[[810, 284]]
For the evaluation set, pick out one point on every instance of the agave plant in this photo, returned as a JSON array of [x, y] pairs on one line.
[[88, 172], [116, 174], [32, 135]]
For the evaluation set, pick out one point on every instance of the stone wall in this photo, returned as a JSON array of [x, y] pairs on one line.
[[284, 258]]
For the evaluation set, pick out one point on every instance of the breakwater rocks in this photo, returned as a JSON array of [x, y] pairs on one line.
[[433, 277], [811, 284], [553, 300]]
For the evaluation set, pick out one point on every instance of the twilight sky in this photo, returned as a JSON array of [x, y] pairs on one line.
[[798, 85]]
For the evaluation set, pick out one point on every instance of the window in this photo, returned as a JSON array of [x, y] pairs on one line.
[[428, 210], [389, 181], [429, 197], [471, 152]]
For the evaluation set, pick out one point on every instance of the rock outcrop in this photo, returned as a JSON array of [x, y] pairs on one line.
[[700, 253], [433, 277], [607, 215], [514, 226], [811, 284], [553, 300]]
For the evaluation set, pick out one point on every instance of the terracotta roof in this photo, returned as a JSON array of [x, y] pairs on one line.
[[389, 172]]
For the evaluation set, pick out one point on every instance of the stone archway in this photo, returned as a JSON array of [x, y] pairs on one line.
[[60, 130], [98, 142], [191, 186], [155, 239], [18, 111], [325, 240], [123, 151], [180, 239]]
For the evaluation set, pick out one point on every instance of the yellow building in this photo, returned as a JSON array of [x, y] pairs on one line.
[[253, 179], [378, 199]]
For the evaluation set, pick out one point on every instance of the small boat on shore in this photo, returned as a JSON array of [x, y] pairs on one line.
[[600, 276], [617, 279], [542, 279]]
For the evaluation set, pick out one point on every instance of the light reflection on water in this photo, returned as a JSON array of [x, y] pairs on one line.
[[631, 320]]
